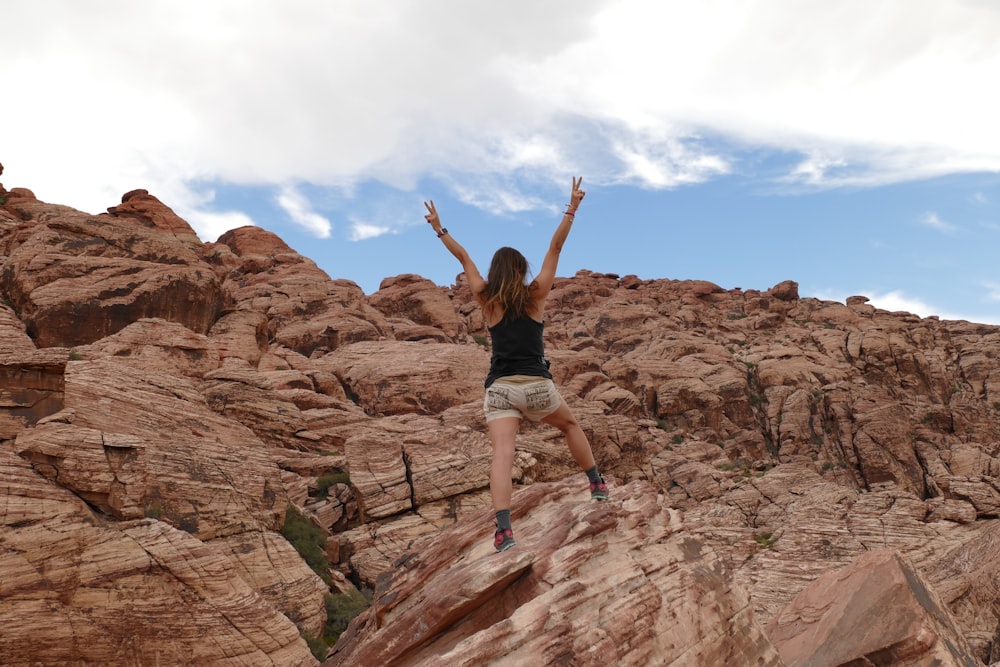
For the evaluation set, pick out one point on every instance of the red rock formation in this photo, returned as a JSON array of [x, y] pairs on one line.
[[453, 601], [415, 300], [306, 311], [878, 610], [77, 589], [75, 278], [211, 386]]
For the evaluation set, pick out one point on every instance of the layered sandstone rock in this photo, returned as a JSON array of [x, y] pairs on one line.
[[211, 386], [417, 301], [454, 601], [31, 380], [78, 590], [305, 310], [75, 278], [878, 610]]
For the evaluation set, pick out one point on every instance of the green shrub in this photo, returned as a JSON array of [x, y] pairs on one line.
[[309, 540], [765, 540], [317, 646], [340, 609], [324, 483]]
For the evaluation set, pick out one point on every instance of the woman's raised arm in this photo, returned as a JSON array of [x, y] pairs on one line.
[[476, 282], [547, 275]]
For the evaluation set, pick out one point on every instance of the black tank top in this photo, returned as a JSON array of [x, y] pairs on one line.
[[517, 349]]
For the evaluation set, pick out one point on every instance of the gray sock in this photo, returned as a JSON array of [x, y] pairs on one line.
[[593, 475], [503, 520]]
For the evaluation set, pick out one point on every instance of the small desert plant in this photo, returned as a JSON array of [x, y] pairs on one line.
[[765, 540], [324, 483], [340, 609], [318, 646], [309, 540]]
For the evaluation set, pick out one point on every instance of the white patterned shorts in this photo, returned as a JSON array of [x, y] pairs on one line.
[[521, 396]]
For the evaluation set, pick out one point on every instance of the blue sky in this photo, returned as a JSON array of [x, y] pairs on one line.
[[851, 146]]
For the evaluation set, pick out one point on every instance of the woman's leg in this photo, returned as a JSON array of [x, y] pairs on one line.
[[502, 432], [579, 446]]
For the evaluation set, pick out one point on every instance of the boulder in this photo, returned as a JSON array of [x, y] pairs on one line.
[[75, 278], [419, 301], [395, 377], [557, 597], [877, 610], [132, 592]]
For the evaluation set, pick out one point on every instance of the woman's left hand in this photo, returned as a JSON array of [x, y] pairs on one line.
[[576, 196]]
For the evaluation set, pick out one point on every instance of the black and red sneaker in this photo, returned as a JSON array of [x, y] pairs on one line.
[[503, 540], [598, 490]]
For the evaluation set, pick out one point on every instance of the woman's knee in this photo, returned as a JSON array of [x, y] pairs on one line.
[[562, 419]]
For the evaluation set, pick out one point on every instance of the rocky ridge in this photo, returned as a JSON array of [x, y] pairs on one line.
[[168, 406]]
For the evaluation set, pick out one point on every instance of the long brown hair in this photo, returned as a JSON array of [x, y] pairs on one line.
[[505, 284]]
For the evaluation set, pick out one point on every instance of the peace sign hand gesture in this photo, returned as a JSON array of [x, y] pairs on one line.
[[576, 196], [432, 216]]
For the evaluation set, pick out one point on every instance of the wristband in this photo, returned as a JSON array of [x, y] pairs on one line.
[[442, 232]]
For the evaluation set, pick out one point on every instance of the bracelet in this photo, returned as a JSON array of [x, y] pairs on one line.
[[570, 212], [442, 232]]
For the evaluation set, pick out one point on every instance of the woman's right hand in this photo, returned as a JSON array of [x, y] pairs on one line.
[[432, 216]]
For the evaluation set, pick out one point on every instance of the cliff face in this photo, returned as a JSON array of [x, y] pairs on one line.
[[164, 402]]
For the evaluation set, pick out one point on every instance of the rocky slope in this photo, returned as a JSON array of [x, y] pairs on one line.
[[794, 481]]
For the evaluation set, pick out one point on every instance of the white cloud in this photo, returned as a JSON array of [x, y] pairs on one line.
[[210, 226], [815, 169], [666, 162], [885, 88], [992, 291], [934, 221], [165, 95], [300, 211], [361, 231], [896, 300], [899, 301]]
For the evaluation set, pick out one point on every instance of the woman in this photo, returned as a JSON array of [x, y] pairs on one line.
[[519, 383]]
